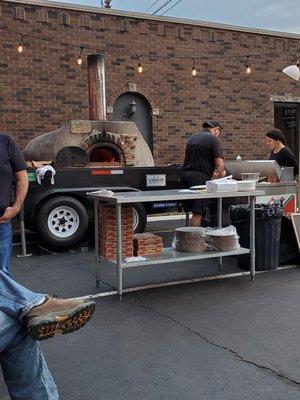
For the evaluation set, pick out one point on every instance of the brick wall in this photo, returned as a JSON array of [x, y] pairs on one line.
[[43, 87]]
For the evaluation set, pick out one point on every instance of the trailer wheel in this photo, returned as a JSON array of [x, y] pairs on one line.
[[139, 218], [62, 221]]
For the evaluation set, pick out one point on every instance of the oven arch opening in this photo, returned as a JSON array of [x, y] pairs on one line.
[[105, 153]]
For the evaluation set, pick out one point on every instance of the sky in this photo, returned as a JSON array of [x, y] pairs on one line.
[[278, 15]]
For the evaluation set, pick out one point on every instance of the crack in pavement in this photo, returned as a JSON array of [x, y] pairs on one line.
[[270, 370]]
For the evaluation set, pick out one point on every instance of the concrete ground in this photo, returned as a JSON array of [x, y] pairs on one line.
[[215, 340]]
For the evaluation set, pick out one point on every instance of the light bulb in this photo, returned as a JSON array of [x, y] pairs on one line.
[[20, 46], [79, 60], [194, 71], [140, 68], [248, 69]]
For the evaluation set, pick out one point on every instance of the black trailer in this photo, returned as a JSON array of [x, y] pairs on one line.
[[61, 213]]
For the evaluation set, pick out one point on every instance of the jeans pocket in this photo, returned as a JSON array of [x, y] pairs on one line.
[[5, 230]]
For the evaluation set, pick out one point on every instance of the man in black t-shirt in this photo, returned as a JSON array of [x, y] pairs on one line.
[[203, 161], [25, 315], [12, 174]]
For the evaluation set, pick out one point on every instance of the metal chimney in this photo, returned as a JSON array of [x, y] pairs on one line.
[[96, 82]]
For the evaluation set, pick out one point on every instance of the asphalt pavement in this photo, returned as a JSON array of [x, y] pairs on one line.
[[214, 340]]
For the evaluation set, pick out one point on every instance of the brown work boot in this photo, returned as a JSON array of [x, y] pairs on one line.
[[57, 315]]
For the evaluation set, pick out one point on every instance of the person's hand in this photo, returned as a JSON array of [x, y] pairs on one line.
[[9, 213], [219, 174]]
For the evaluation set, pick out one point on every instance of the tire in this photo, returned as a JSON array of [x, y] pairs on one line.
[[62, 221], [139, 218]]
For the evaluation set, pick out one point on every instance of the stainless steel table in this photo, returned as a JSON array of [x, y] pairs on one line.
[[169, 255]]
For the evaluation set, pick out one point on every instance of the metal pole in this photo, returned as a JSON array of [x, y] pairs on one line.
[[23, 235], [187, 218], [119, 250], [220, 226], [252, 237], [96, 229]]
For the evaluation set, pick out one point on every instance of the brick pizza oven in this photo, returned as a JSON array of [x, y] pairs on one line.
[[107, 143]]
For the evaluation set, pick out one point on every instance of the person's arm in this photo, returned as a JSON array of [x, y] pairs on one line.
[[21, 187], [219, 168], [218, 158]]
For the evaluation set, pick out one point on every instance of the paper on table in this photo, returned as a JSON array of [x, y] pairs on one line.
[[137, 258], [103, 192]]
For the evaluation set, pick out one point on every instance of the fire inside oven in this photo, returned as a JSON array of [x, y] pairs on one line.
[[106, 154]]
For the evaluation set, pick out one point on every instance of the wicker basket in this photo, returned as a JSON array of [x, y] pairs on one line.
[[189, 239]]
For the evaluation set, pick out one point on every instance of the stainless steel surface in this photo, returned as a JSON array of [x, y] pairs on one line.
[[220, 209], [96, 230], [169, 254], [252, 237], [264, 167], [23, 236], [277, 188], [119, 248], [165, 195]]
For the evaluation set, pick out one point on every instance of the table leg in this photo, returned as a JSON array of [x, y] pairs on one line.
[[252, 238], [119, 250], [220, 209], [96, 229], [187, 218]]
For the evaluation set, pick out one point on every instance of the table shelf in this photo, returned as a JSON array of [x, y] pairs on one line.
[[169, 255]]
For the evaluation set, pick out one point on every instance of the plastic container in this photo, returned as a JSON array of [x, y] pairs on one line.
[[250, 176], [267, 234], [223, 239]]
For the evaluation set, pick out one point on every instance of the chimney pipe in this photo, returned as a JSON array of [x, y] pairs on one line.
[[96, 83]]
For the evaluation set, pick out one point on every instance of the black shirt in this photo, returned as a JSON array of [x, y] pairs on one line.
[[11, 161], [285, 158], [201, 150]]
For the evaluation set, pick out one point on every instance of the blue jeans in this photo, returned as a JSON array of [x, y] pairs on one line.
[[5, 246], [24, 368], [15, 299]]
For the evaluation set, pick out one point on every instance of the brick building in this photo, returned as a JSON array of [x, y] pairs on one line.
[[43, 87]]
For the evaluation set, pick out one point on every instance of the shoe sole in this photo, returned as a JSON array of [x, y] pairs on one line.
[[68, 321]]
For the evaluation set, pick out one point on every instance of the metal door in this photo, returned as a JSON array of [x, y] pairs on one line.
[[287, 119], [135, 107]]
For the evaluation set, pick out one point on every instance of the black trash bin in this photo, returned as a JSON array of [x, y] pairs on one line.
[[267, 234]]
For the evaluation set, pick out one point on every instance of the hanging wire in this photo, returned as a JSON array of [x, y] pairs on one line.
[[162, 6], [152, 5], [170, 8], [147, 56]]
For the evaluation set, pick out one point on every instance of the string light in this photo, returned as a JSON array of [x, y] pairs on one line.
[[139, 67], [194, 70], [295, 69], [20, 46], [80, 61], [248, 68]]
